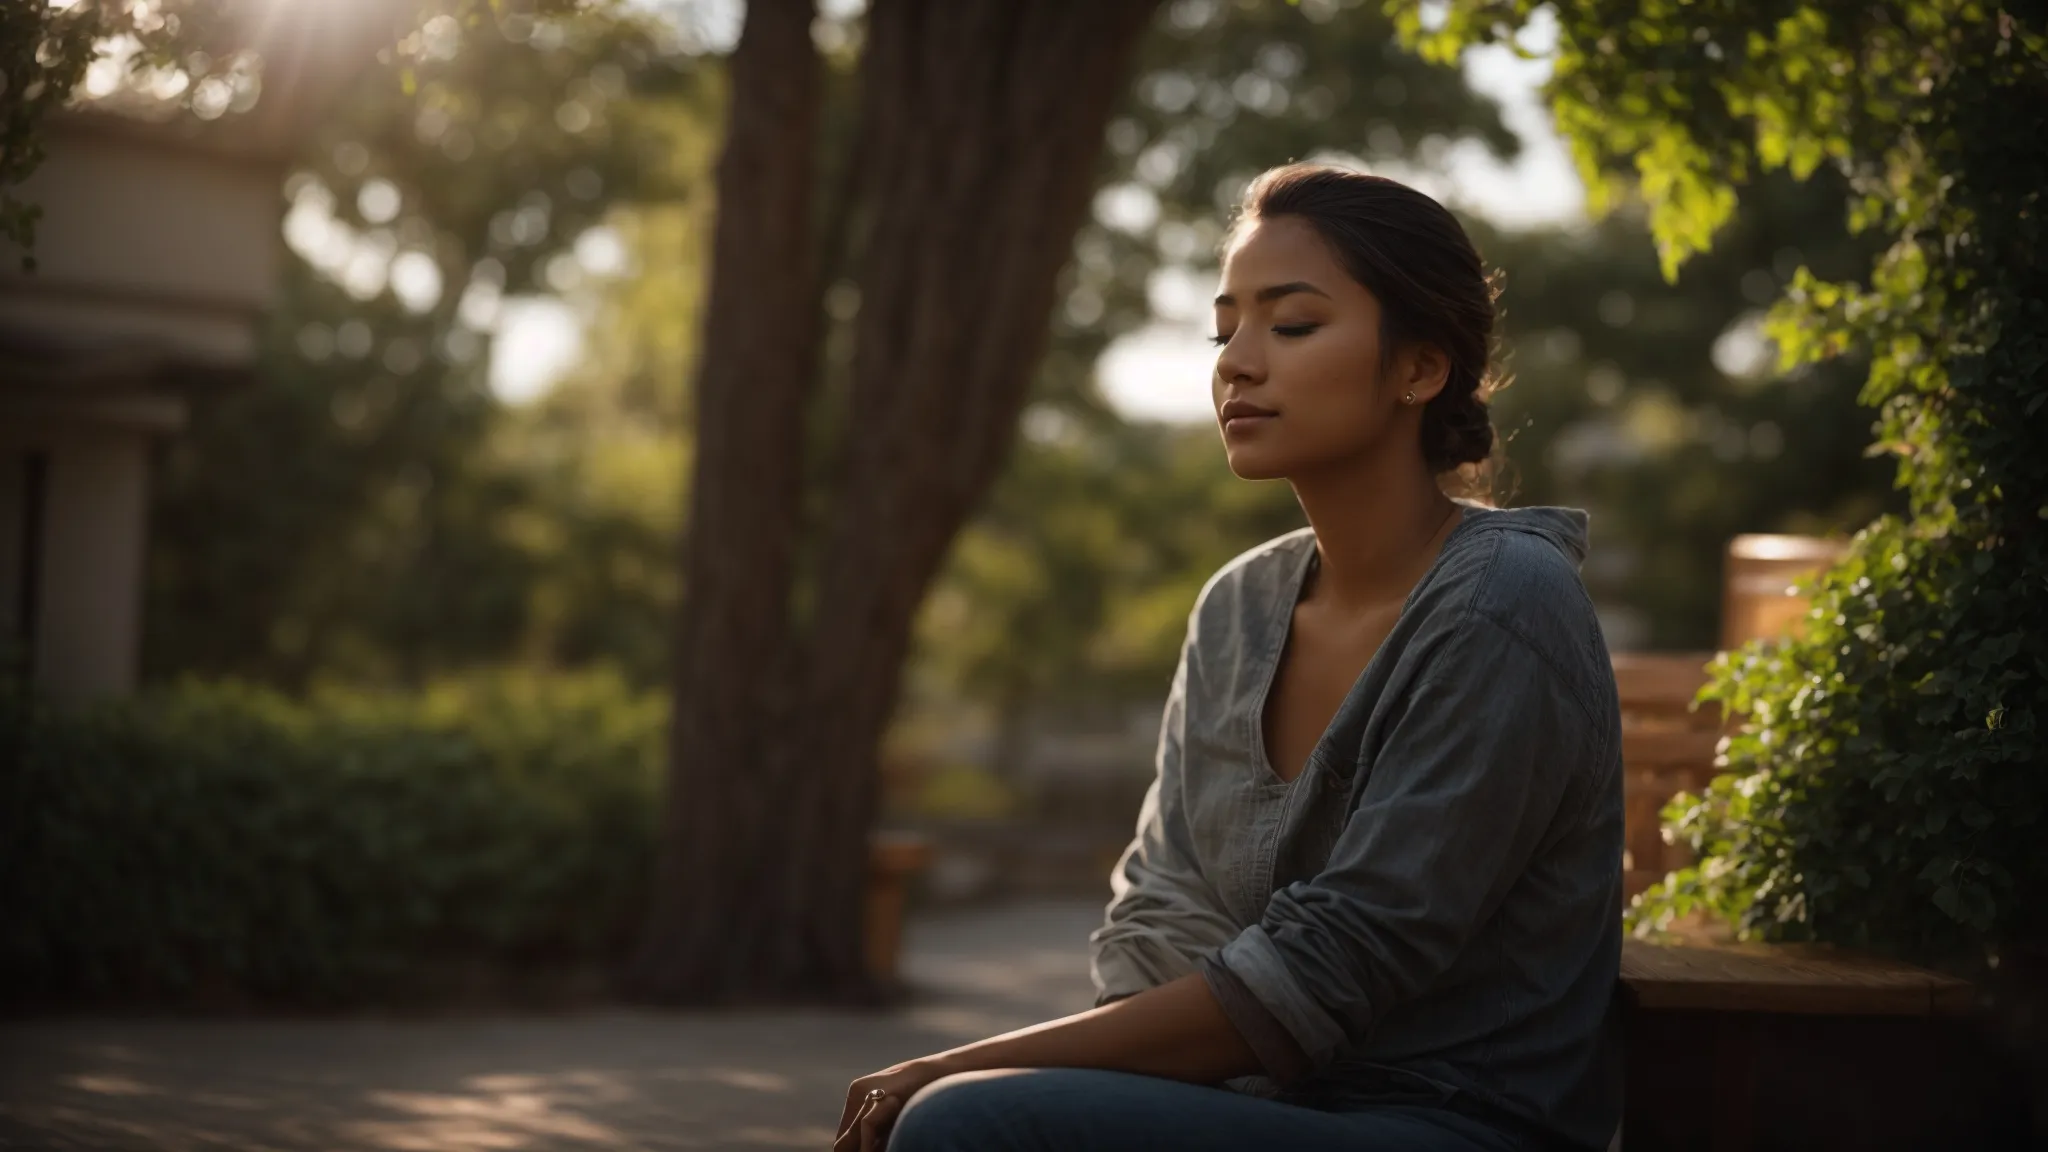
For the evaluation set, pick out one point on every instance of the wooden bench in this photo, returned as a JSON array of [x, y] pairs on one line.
[[1666, 748], [1737, 1047]]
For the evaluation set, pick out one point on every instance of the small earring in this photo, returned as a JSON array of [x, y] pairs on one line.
[[1409, 398]]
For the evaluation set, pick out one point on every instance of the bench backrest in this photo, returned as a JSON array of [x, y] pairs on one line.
[[1666, 748]]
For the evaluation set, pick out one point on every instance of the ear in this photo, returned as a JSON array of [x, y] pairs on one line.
[[1422, 369]]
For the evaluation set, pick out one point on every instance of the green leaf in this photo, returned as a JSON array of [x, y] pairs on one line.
[[1946, 899]]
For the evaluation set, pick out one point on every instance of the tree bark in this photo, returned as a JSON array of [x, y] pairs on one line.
[[981, 124], [720, 835], [980, 127]]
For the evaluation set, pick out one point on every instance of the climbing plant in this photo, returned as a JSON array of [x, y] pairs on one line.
[[1887, 783]]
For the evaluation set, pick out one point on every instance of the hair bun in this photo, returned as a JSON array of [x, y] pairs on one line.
[[1457, 429]]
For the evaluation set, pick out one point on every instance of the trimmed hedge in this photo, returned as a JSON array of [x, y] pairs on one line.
[[214, 842]]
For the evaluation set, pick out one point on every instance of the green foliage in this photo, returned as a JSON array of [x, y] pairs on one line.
[[958, 792], [390, 520], [1099, 532], [212, 840], [347, 518], [389, 524], [1620, 404], [1093, 545], [44, 52], [600, 464], [1887, 787]]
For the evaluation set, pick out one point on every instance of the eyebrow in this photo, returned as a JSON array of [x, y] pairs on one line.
[[1268, 295]]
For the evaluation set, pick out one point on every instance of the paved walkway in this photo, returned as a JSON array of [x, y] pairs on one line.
[[608, 1080]]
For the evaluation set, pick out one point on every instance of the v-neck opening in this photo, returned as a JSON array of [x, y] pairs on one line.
[[1281, 630]]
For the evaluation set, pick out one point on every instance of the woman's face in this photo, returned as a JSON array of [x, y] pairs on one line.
[[1299, 384]]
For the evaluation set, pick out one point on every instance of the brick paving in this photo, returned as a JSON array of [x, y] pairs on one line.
[[607, 1080]]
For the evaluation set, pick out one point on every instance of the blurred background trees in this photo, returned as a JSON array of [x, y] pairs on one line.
[[376, 515], [1654, 404], [544, 527], [389, 521]]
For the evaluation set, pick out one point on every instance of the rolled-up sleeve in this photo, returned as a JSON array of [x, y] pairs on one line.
[[1462, 790], [1163, 914]]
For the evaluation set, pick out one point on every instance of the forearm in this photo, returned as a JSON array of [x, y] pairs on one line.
[[1176, 1031]]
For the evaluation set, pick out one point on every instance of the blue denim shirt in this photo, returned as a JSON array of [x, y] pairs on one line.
[[1431, 910]]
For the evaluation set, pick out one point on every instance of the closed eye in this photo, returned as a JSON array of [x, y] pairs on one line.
[[1223, 338]]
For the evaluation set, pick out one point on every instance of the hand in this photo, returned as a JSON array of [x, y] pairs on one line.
[[864, 1125]]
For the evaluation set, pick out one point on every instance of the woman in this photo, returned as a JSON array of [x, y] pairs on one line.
[[1374, 899]]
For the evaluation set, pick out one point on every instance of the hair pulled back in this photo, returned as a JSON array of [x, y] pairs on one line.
[[1414, 256]]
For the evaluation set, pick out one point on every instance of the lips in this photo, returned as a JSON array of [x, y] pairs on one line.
[[1239, 412]]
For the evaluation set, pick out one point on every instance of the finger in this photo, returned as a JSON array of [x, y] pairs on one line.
[[857, 1103], [849, 1135], [876, 1124]]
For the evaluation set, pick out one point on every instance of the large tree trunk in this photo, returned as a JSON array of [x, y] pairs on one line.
[[981, 125], [720, 832]]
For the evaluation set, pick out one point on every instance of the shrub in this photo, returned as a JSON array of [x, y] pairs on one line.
[[212, 838], [1888, 787]]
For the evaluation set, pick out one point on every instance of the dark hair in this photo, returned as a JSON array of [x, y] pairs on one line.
[[1432, 287]]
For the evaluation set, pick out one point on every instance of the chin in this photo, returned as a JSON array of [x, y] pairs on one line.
[[1260, 462]]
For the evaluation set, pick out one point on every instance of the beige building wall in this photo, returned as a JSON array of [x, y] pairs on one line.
[[158, 250], [95, 517], [156, 259], [144, 241]]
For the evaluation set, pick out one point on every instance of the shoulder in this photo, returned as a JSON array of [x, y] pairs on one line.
[[1515, 577], [1524, 573], [1507, 562]]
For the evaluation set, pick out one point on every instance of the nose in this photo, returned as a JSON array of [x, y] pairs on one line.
[[1240, 362]]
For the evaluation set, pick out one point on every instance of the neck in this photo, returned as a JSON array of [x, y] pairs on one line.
[[1378, 521]]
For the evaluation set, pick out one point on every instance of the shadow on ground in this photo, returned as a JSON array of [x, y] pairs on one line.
[[606, 1080]]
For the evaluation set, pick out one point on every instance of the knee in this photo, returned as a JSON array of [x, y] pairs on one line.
[[960, 1112]]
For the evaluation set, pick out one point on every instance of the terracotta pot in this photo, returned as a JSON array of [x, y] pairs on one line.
[[894, 860]]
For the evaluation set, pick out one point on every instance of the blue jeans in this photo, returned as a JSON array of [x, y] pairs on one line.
[[1079, 1110]]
